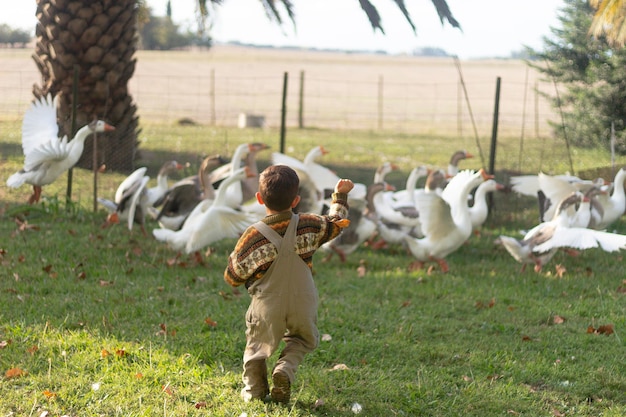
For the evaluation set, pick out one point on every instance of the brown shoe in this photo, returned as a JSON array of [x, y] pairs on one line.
[[281, 392]]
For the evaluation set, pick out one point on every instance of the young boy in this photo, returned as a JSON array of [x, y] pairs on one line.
[[273, 258]]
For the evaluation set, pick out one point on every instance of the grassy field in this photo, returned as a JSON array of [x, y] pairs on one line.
[[103, 322]]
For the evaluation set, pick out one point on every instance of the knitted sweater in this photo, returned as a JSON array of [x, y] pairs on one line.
[[254, 253]]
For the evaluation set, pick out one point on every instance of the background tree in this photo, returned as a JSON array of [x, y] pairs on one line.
[[13, 37], [161, 33], [591, 77]]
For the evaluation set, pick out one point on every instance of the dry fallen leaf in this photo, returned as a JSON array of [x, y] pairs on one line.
[[49, 394], [104, 353], [23, 225], [606, 329], [560, 270], [340, 367], [168, 390], [210, 322], [326, 337], [481, 304], [558, 319], [14, 373]]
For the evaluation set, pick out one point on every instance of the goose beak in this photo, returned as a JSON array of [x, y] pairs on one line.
[[108, 128], [389, 187], [486, 176]]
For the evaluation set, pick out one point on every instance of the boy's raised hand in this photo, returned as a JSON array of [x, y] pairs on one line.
[[344, 186]]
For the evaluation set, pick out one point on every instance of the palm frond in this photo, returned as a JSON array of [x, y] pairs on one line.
[[405, 12], [445, 14], [372, 15], [274, 14], [609, 20]]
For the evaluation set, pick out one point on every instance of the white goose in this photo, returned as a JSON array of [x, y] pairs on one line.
[[312, 190], [480, 209], [392, 233], [46, 156], [186, 194], [154, 195], [446, 221], [218, 221], [383, 170], [453, 165], [551, 189], [323, 178], [317, 182], [614, 205], [542, 242], [235, 193], [408, 194], [129, 203]]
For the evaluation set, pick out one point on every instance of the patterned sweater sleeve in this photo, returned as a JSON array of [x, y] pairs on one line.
[[253, 254]]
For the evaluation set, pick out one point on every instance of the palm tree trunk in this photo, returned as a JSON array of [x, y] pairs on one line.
[[98, 38]]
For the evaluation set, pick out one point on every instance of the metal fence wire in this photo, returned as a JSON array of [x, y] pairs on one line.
[[232, 86]]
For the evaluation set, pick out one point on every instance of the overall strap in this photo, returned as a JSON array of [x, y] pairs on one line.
[[269, 233], [272, 235]]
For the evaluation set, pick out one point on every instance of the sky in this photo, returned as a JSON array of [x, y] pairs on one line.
[[490, 28]]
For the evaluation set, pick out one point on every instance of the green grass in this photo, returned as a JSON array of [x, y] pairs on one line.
[[104, 322]]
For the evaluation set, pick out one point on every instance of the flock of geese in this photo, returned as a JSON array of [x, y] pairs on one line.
[[430, 222]]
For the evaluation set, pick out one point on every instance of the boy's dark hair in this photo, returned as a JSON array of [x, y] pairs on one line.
[[278, 186]]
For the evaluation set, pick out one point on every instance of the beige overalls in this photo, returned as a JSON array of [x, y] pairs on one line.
[[283, 307]]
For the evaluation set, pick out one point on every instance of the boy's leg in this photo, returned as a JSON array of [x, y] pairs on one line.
[[296, 346], [255, 380], [263, 334]]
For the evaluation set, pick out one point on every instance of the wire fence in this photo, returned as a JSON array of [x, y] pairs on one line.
[[433, 99]]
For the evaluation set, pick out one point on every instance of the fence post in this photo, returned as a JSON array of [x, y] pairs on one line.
[[70, 172], [494, 136], [283, 113], [301, 102], [494, 130]]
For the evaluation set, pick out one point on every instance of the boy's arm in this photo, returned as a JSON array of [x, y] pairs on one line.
[[339, 205], [235, 273]]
